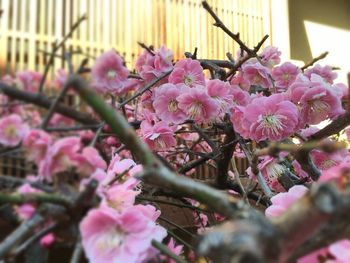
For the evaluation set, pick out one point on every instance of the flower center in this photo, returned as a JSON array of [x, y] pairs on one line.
[[160, 143], [111, 74], [257, 79], [172, 106], [272, 122], [110, 240], [318, 106], [326, 164], [10, 131], [188, 80], [285, 76], [196, 109], [275, 170]]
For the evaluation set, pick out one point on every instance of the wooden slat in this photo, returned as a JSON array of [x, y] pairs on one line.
[[181, 25]]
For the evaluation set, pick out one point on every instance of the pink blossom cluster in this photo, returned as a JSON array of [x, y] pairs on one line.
[[264, 101], [120, 230]]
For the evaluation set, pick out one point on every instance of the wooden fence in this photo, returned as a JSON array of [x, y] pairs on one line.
[[30, 26]]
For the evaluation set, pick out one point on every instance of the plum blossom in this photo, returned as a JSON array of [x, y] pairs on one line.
[[270, 56], [60, 157], [257, 74], [29, 80], [325, 72], [109, 74], [125, 167], [239, 97], [120, 196], [26, 211], [59, 120], [271, 170], [198, 105], [273, 118], [318, 104], [324, 161], [341, 251], [176, 249], [36, 143], [12, 130], [282, 201], [285, 75], [337, 173], [109, 236], [316, 100], [241, 81], [158, 136], [220, 91], [189, 72], [166, 105], [47, 240], [151, 66], [88, 161]]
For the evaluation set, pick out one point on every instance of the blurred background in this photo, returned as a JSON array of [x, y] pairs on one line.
[[301, 29]]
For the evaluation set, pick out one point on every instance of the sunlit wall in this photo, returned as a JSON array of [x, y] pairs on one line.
[[321, 25]]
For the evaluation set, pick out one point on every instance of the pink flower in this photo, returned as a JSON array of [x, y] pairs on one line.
[[36, 143], [26, 210], [100, 176], [59, 120], [341, 251], [109, 236], [110, 75], [125, 167], [146, 101], [270, 56], [166, 105], [324, 161], [88, 161], [176, 249], [240, 123], [285, 75], [271, 170], [120, 196], [241, 80], [221, 92], [239, 97], [257, 74], [197, 105], [325, 72], [158, 136], [163, 60], [12, 130], [29, 80], [47, 240], [60, 157], [152, 66], [307, 132], [282, 201], [272, 118], [337, 173], [319, 103], [188, 72]]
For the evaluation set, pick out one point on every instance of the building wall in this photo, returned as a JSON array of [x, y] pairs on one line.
[[321, 25]]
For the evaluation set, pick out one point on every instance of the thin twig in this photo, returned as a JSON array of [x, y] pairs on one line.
[[56, 47], [144, 89], [314, 60]]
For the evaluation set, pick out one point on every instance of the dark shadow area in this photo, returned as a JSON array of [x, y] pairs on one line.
[[335, 13]]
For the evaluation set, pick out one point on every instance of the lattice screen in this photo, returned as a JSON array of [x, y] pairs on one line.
[[28, 26]]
